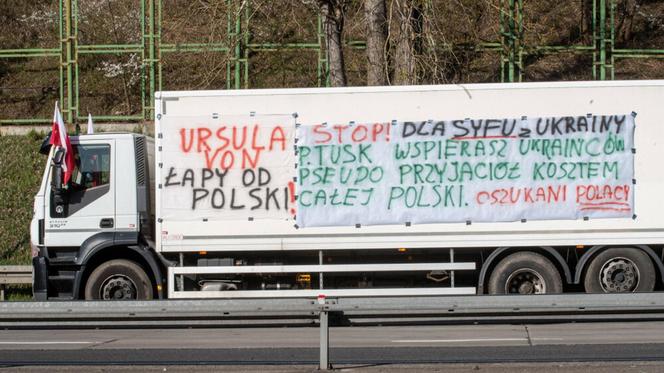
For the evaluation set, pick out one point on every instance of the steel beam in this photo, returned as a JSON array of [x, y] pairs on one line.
[[523, 306]]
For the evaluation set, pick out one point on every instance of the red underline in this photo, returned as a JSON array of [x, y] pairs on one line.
[[485, 137], [604, 203], [605, 208]]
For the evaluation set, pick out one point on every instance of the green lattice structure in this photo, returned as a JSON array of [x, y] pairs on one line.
[[239, 45]]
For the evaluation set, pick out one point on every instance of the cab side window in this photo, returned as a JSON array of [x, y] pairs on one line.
[[92, 167], [90, 179]]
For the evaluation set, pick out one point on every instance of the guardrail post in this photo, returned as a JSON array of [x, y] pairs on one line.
[[324, 363], [2, 292]]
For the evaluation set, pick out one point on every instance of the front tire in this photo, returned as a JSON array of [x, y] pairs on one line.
[[620, 270], [118, 279], [525, 273]]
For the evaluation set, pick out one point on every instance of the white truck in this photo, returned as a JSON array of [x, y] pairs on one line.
[[522, 188]]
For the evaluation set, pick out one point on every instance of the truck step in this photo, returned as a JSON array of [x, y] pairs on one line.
[[62, 261], [62, 296], [61, 278]]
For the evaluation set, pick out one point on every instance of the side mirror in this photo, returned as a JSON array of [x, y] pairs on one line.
[[58, 156], [58, 196], [56, 177], [56, 169]]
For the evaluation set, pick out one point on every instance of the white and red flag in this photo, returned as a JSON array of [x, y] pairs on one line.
[[59, 138]]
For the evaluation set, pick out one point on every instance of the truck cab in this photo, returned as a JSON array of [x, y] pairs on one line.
[[92, 238]]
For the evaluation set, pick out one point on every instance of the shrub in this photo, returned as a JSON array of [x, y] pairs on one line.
[[21, 168]]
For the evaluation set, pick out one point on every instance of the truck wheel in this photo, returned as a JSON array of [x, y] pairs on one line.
[[625, 270], [525, 273], [118, 279]]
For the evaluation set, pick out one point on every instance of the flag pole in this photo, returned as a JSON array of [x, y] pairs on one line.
[[90, 125]]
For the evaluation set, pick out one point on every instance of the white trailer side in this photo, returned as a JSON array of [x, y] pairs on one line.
[[367, 104]]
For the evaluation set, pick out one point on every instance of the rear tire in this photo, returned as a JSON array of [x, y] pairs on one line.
[[620, 270], [525, 273], [118, 279]]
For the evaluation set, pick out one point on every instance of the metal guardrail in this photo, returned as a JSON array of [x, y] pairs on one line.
[[174, 313], [357, 310], [215, 312], [11, 275]]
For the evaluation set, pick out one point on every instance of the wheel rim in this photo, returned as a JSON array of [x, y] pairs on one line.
[[118, 287], [525, 281], [619, 275]]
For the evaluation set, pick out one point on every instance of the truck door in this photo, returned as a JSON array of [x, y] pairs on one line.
[[89, 199]]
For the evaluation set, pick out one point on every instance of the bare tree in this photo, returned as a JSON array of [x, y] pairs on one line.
[[586, 16], [408, 40], [376, 15], [333, 13], [626, 12]]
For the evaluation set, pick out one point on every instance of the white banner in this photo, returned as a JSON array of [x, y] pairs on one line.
[[485, 170], [231, 167]]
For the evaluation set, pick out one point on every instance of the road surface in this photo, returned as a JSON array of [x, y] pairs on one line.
[[629, 345]]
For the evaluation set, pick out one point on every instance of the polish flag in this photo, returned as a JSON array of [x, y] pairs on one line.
[[59, 138]]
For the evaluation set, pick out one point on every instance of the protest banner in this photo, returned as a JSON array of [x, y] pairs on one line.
[[468, 170]]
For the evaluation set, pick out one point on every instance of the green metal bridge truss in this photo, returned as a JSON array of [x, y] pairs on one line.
[[510, 47]]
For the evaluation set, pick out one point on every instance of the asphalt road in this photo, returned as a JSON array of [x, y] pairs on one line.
[[356, 346]]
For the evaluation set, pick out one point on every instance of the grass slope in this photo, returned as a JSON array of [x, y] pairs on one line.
[[21, 168]]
